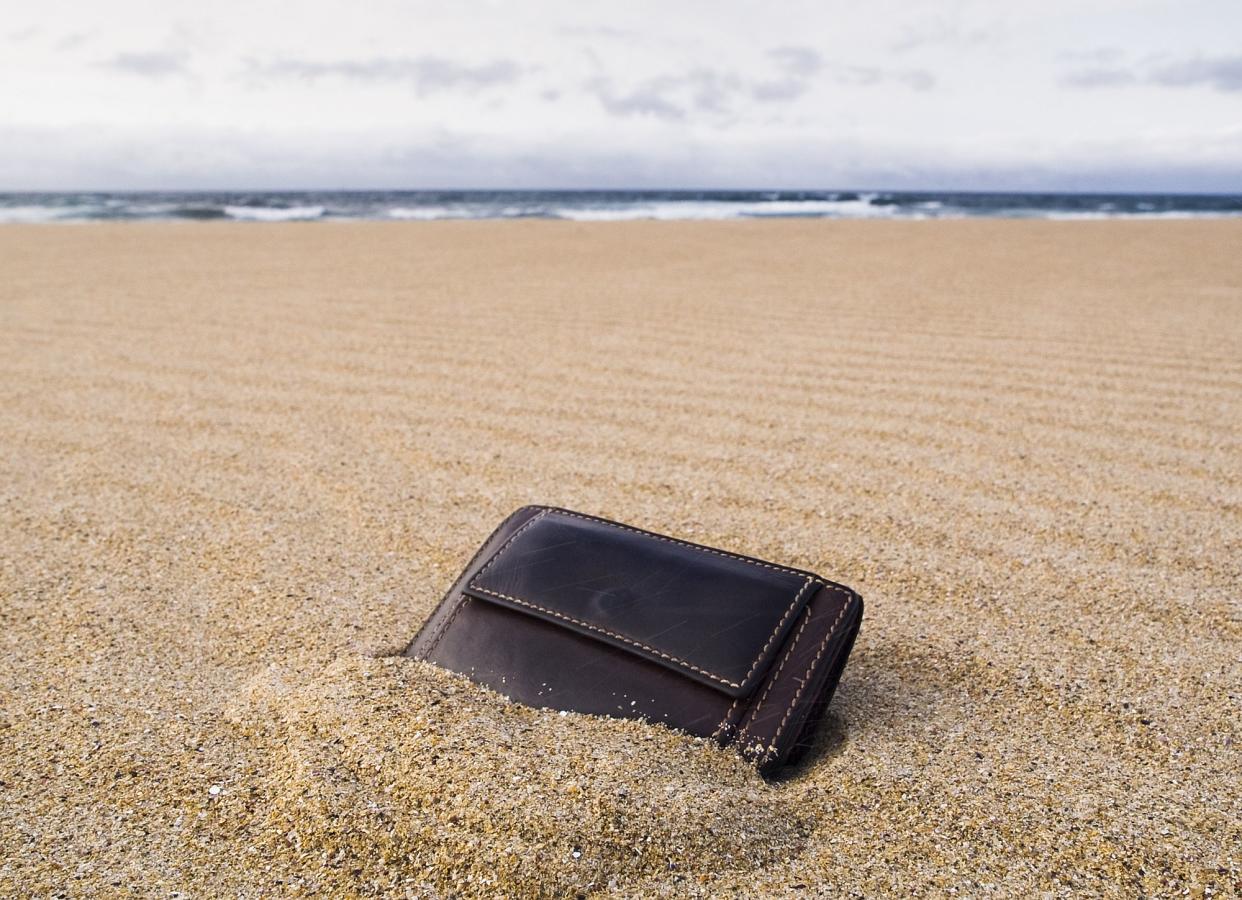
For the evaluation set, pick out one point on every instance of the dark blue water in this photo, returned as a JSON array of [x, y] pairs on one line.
[[598, 205]]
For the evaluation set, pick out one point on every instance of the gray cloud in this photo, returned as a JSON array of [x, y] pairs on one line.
[[1221, 73], [713, 92], [803, 65], [869, 76], [147, 65], [1224, 73], [1098, 76], [779, 91], [428, 74], [648, 99], [670, 97], [799, 62], [73, 41], [939, 33], [917, 79], [710, 91], [797, 65], [1097, 55], [864, 76], [599, 31]]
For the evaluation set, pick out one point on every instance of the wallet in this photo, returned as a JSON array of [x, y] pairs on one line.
[[568, 611]]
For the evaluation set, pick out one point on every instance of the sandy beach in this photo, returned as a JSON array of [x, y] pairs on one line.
[[239, 464]]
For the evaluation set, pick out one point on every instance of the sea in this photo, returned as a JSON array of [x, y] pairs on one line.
[[600, 205]]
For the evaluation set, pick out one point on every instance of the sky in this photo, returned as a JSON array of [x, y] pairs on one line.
[[250, 94]]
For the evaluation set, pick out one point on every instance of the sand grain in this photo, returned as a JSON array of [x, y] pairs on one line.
[[239, 464]]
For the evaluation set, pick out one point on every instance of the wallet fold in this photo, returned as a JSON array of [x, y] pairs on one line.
[[564, 610]]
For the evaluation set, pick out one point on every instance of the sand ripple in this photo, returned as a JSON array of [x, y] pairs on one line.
[[238, 465]]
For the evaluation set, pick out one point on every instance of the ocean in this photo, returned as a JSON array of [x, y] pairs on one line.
[[275, 206]]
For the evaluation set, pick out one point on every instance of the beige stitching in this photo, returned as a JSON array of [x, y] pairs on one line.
[[505, 546], [449, 595], [779, 625], [660, 537], [807, 676], [474, 585], [443, 631], [806, 620], [611, 634], [728, 714]]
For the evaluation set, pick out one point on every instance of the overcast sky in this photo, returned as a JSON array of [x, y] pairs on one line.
[[1055, 94]]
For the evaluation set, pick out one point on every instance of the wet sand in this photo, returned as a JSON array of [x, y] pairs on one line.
[[239, 464]]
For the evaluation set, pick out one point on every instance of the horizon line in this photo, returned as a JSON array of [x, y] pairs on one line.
[[629, 190]]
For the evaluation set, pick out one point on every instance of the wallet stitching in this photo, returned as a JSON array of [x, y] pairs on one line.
[[779, 625], [611, 634], [725, 721], [728, 713], [671, 540], [807, 675], [464, 600], [443, 631], [776, 677], [474, 585]]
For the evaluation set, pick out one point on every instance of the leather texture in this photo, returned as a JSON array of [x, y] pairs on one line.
[[573, 612]]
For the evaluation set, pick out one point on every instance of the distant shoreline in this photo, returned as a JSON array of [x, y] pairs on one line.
[[593, 206]]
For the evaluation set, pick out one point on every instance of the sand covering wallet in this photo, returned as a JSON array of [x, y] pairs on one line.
[[573, 612]]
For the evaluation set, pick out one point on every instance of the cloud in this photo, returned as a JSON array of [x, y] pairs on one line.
[[1221, 73], [779, 91], [73, 41], [599, 31], [1098, 76], [1098, 55], [671, 97], [712, 92], [869, 76], [428, 74], [647, 99], [797, 65], [917, 79], [799, 62], [147, 65], [864, 76], [940, 32]]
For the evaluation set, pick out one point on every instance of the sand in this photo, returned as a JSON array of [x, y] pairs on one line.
[[240, 463]]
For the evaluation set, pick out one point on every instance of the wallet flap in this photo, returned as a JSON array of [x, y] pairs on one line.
[[715, 617]]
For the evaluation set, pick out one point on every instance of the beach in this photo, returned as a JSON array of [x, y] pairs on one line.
[[241, 463]]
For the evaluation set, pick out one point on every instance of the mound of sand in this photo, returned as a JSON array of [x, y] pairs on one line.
[[387, 774]]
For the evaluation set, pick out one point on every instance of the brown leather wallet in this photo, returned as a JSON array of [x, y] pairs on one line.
[[573, 612]]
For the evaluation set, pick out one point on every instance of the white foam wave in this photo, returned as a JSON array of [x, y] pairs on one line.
[[274, 214], [1163, 214], [38, 215], [721, 209], [424, 213]]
